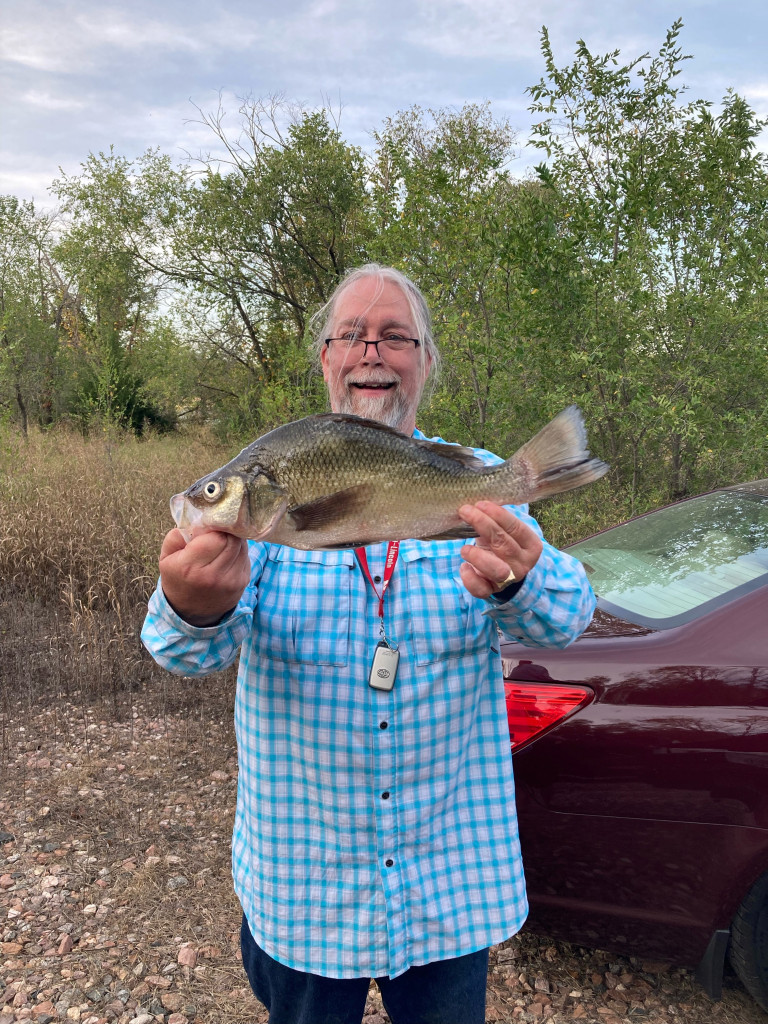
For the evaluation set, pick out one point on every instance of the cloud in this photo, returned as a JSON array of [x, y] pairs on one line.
[[472, 29], [502, 30], [50, 101], [28, 180], [20, 45], [756, 93], [116, 30], [79, 39]]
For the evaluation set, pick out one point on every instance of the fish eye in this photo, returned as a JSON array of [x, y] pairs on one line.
[[212, 490]]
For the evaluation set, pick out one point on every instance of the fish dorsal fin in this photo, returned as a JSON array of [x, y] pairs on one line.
[[464, 456], [330, 509], [363, 421]]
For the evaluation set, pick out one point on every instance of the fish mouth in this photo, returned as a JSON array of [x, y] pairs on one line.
[[192, 521], [188, 518]]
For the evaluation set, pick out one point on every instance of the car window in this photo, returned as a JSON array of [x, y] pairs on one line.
[[673, 565]]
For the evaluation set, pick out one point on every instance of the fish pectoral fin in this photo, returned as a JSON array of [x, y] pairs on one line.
[[330, 509], [456, 533]]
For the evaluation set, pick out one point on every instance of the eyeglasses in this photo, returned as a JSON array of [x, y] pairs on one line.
[[350, 344]]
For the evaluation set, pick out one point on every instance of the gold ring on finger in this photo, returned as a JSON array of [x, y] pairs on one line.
[[510, 579]]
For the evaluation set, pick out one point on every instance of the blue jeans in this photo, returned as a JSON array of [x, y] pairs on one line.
[[445, 992]]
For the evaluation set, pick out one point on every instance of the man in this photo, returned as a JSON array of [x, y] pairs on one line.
[[376, 833]]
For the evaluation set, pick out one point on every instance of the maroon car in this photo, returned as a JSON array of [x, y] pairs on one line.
[[641, 751]]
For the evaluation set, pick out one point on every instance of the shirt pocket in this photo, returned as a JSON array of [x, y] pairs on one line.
[[303, 612], [447, 621]]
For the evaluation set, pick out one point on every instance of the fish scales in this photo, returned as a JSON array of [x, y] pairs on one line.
[[334, 461]]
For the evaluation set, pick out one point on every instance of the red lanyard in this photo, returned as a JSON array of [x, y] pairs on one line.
[[389, 567]]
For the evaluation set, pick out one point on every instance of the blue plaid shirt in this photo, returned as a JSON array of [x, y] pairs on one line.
[[374, 831]]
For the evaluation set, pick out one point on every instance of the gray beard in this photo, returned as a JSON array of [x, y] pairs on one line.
[[391, 410]]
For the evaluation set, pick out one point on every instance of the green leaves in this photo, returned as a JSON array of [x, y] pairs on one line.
[[660, 214], [32, 303], [444, 204]]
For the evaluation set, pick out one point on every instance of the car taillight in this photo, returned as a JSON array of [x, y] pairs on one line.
[[535, 708]]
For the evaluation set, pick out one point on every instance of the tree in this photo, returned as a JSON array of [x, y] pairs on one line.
[[106, 251], [257, 241], [654, 220], [266, 238], [444, 199], [32, 302]]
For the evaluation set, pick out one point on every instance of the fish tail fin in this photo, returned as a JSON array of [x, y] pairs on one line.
[[554, 460]]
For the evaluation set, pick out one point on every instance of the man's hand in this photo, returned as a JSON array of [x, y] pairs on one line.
[[205, 578], [504, 545]]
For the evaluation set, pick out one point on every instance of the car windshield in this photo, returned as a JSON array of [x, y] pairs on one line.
[[671, 566]]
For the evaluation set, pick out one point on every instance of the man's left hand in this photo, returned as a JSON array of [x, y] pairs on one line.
[[505, 545]]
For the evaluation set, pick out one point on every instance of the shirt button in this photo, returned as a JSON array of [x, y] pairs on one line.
[[377, 579], [383, 725], [385, 795], [388, 863]]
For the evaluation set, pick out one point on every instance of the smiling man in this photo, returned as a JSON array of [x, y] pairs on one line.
[[382, 378], [375, 832]]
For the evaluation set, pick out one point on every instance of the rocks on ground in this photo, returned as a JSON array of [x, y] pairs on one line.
[[116, 903]]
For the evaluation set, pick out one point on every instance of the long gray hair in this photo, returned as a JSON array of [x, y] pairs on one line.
[[322, 322]]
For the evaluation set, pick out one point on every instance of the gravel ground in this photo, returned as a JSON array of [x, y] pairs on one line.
[[116, 902]]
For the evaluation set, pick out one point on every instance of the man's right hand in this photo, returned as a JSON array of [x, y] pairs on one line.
[[204, 578]]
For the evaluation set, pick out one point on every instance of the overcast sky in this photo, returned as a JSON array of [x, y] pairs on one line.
[[77, 77]]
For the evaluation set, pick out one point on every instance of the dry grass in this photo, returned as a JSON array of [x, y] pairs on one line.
[[81, 520]]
